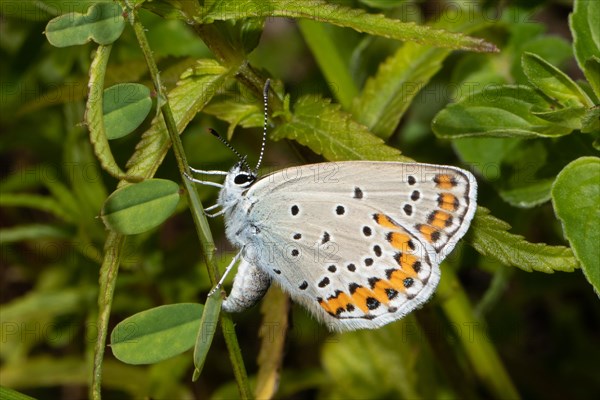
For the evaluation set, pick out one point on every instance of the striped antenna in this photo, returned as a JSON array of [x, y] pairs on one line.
[[230, 147], [266, 111]]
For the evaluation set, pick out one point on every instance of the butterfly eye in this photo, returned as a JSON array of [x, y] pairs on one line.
[[241, 179]]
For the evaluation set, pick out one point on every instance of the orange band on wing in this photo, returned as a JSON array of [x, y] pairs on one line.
[[399, 241], [430, 233], [444, 181], [448, 202], [440, 219]]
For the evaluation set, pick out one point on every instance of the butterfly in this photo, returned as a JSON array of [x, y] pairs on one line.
[[358, 243]]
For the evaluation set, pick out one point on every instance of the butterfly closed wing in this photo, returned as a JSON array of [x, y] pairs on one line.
[[357, 243]]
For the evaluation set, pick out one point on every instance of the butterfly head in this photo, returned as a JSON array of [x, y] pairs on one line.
[[240, 176], [238, 180]]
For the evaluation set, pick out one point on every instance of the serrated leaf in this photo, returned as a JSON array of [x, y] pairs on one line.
[[553, 82], [125, 107], [194, 90], [140, 207], [576, 200], [502, 111], [156, 334], [585, 28], [388, 94], [274, 308], [357, 19], [331, 132], [103, 23], [236, 112], [94, 115], [490, 237]]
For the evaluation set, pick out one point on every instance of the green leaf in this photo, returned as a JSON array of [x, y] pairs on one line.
[[502, 111], [490, 238], [103, 23], [576, 200], [570, 117], [206, 332], [236, 112], [125, 107], [591, 121], [326, 130], [520, 170], [585, 28], [553, 82], [140, 207], [592, 66], [94, 115], [327, 52], [196, 87], [359, 20], [531, 195], [156, 334], [387, 95]]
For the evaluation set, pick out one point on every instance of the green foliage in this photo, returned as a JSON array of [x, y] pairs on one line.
[[331, 132], [140, 207], [125, 107], [156, 334], [490, 238], [585, 27], [206, 331], [103, 23], [76, 112], [576, 200]]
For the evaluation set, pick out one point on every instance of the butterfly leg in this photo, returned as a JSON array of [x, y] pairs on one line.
[[213, 215], [249, 286], [201, 171], [208, 183]]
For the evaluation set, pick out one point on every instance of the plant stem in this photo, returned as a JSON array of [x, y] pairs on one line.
[[202, 227], [108, 278]]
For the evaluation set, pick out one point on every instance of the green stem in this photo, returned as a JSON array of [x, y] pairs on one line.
[[108, 278], [202, 227], [114, 242]]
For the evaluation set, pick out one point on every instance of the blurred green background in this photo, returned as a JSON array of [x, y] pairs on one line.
[[545, 328]]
